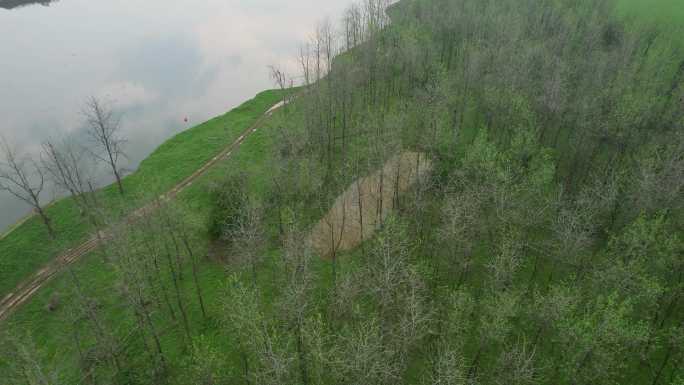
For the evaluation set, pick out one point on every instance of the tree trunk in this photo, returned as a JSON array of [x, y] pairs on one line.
[[194, 274], [179, 299], [155, 336], [303, 370], [663, 365], [46, 221], [165, 292], [112, 163], [360, 199]]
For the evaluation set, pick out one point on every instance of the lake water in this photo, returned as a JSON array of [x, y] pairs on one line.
[[156, 61]]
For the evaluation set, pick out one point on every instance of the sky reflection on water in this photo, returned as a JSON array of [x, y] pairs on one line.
[[157, 61]]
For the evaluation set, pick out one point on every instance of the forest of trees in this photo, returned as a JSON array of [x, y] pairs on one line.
[[545, 247]]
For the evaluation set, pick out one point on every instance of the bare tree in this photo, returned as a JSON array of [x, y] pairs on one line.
[[295, 303], [248, 237], [398, 293], [107, 343], [352, 21], [305, 63], [450, 368], [265, 353], [63, 164], [516, 365], [130, 262], [366, 359], [658, 180], [24, 363], [103, 129], [458, 234], [181, 235], [22, 177], [282, 81]]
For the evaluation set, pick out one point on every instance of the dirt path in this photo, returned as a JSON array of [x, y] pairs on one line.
[[30, 286], [361, 209]]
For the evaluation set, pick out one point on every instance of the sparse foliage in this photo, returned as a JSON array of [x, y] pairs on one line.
[[104, 130], [22, 177]]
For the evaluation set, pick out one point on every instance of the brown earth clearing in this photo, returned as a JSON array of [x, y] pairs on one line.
[[362, 208]]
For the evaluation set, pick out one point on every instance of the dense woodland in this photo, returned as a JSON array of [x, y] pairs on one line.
[[545, 247]]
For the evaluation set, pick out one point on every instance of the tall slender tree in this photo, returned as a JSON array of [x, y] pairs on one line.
[[22, 177], [104, 130]]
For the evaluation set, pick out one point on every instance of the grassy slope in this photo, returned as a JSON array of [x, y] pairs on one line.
[[26, 249], [252, 157], [47, 328]]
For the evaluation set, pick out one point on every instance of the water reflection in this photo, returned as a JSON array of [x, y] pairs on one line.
[[156, 61], [11, 4]]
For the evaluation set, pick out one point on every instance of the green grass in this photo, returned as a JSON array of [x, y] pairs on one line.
[[175, 159], [47, 329], [663, 12], [28, 247]]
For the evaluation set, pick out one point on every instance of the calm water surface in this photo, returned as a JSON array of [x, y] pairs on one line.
[[157, 61]]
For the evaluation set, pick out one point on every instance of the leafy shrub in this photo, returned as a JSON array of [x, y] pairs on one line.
[[229, 199]]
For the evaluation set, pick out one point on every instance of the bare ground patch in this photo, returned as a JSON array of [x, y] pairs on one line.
[[363, 207]]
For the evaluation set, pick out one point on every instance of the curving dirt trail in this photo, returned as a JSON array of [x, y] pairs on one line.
[[30, 286]]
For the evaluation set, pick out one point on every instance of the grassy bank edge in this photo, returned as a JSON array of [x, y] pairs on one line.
[[25, 249]]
